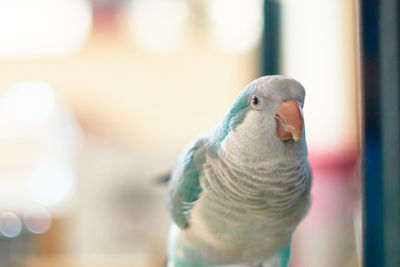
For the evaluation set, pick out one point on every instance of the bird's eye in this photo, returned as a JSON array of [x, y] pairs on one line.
[[255, 101]]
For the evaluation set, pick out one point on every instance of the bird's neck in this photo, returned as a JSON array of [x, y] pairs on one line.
[[248, 150], [261, 182]]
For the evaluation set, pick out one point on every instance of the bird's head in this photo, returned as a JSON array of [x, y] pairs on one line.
[[266, 118]]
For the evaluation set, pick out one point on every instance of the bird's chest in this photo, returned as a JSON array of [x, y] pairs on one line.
[[246, 212]]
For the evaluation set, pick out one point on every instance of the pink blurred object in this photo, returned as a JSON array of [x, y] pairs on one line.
[[326, 236]]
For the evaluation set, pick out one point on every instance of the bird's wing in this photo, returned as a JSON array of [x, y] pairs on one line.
[[184, 187]]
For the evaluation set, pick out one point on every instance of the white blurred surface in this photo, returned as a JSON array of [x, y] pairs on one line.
[[43, 27], [159, 25], [236, 24], [39, 141]]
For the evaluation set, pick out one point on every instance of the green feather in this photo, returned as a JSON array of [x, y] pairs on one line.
[[185, 184], [233, 118], [284, 256]]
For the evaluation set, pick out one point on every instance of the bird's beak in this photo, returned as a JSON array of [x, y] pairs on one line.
[[289, 120]]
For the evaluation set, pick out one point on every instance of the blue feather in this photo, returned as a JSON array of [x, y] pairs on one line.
[[185, 185], [233, 118]]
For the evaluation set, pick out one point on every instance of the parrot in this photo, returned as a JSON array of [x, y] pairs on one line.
[[238, 192]]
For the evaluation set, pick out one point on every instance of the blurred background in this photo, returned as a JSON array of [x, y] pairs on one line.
[[97, 98]]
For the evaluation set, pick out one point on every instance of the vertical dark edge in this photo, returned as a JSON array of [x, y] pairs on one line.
[[271, 38], [358, 215], [373, 249], [390, 129]]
